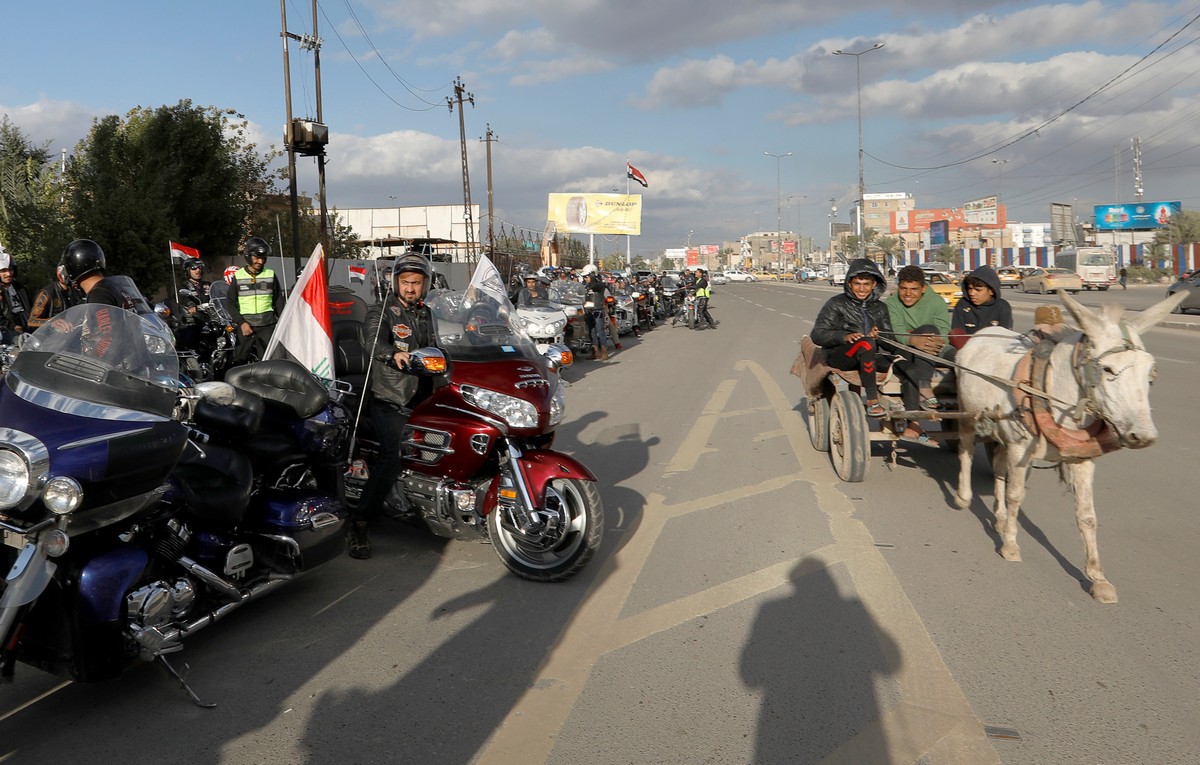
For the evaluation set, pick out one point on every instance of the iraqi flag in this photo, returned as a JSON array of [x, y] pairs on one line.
[[357, 274], [304, 332], [181, 253], [635, 174]]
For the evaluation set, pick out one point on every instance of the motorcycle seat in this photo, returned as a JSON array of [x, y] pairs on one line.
[[284, 382], [215, 482]]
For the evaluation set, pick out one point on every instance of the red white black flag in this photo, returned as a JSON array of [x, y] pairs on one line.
[[635, 174]]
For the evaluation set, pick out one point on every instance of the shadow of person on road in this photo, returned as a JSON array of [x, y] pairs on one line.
[[816, 656]]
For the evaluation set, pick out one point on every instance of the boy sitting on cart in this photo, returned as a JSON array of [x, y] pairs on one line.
[[919, 320], [849, 325]]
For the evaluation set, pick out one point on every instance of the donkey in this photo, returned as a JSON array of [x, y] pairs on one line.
[[1097, 379]]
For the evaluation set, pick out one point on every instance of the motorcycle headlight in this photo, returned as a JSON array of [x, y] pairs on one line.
[[62, 495], [517, 412], [558, 405], [557, 326], [14, 479]]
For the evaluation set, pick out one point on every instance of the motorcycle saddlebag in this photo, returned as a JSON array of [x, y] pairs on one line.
[[316, 523]]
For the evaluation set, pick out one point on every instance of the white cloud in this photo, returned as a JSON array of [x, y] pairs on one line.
[[60, 123]]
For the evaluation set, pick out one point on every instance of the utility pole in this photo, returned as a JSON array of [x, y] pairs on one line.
[[491, 232], [460, 96], [304, 137]]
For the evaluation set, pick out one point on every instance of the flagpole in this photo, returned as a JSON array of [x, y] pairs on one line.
[[171, 260], [627, 263]]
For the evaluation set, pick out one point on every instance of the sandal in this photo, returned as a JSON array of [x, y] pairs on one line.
[[875, 409], [931, 404], [920, 438]]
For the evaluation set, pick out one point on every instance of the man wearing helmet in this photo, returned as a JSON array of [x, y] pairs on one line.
[[401, 324], [258, 300], [14, 300], [84, 267]]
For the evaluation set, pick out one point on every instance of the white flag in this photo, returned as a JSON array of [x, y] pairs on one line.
[[304, 331], [487, 280]]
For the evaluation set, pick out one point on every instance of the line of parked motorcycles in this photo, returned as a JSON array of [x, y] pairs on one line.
[[562, 315], [139, 505]]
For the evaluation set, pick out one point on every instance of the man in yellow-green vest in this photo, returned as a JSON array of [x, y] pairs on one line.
[[257, 301]]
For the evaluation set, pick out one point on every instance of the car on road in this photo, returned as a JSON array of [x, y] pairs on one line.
[[739, 276], [766, 276], [945, 287], [1045, 280], [1009, 277], [719, 277], [1190, 283]]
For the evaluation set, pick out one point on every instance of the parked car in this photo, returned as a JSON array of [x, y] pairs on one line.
[[739, 276], [766, 276], [719, 277], [1010, 276], [945, 287], [1045, 280], [1191, 283]]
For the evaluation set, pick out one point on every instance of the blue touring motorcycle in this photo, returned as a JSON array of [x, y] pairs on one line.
[[136, 510]]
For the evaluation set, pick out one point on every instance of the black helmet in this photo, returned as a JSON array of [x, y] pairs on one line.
[[414, 263], [82, 257], [256, 245], [194, 263]]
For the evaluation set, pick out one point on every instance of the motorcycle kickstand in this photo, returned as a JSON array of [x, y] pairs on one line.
[[181, 678]]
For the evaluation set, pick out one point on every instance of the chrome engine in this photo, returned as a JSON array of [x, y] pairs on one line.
[[449, 508]]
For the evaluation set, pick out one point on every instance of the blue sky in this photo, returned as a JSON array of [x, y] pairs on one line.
[[691, 92]]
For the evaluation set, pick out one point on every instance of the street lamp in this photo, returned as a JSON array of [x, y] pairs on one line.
[[862, 190], [778, 222], [999, 163]]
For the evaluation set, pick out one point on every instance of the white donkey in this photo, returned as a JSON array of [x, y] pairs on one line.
[[1098, 381]]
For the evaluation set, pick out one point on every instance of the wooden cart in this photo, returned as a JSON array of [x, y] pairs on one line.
[[837, 417]]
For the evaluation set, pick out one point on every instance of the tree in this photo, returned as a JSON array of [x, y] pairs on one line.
[[176, 173], [33, 226], [1183, 228], [946, 253]]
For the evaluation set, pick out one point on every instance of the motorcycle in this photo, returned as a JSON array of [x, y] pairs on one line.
[[572, 297], [687, 310], [643, 303], [205, 337], [546, 320], [476, 455], [622, 310], [136, 510]]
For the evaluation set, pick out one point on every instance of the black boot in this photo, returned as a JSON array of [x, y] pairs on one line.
[[360, 540]]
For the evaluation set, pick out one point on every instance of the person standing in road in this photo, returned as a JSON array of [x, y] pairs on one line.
[[257, 303], [1124, 277], [401, 324], [703, 293]]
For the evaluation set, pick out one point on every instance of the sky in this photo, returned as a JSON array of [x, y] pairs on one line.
[[1038, 102]]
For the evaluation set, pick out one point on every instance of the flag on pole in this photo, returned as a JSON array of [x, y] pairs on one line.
[[358, 274], [635, 174], [304, 332], [181, 253]]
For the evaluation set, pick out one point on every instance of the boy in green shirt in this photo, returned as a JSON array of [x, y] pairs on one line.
[[919, 320]]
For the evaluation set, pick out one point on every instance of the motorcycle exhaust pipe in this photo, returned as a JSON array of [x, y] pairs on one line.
[[171, 639]]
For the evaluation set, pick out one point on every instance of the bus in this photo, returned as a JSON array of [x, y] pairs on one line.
[[1096, 266]]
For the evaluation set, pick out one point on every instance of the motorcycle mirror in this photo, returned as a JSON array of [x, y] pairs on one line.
[[427, 360], [218, 393], [559, 356]]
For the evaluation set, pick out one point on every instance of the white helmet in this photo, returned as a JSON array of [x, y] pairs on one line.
[[589, 269]]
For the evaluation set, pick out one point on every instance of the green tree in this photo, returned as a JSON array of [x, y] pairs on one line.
[[1183, 228], [33, 224], [946, 253], [176, 173]]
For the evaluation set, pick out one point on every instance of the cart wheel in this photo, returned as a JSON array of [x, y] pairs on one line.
[[849, 437], [818, 423]]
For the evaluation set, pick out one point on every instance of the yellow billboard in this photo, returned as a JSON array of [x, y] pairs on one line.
[[596, 213]]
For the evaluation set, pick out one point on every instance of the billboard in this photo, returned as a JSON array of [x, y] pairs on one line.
[[984, 210], [1139, 215], [939, 232], [596, 213]]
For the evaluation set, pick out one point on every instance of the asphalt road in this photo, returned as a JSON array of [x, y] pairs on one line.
[[746, 606]]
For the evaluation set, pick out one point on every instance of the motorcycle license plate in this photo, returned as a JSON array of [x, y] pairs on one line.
[[13, 539]]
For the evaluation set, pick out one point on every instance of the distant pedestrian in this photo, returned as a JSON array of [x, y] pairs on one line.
[[1124, 276]]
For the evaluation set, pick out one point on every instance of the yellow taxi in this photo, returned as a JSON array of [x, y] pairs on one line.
[[946, 288], [1010, 276], [766, 276]]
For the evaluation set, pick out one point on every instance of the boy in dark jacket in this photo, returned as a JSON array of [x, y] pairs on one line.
[[849, 325], [980, 306]]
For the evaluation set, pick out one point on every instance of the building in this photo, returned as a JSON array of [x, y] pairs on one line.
[[1029, 235], [879, 208], [430, 222]]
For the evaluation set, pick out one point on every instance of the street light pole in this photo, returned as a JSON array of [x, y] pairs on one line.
[[778, 222], [862, 186], [999, 163]]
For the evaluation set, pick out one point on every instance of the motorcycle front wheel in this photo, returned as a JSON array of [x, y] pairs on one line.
[[560, 554]]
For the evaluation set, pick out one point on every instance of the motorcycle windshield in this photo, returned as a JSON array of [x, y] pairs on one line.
[[98, 360], [567, 293], [218, 296], [478, 326]]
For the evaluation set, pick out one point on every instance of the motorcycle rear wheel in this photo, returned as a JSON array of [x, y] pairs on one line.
[[563, 556]]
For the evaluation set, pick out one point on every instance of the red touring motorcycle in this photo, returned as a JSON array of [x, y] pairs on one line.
[[476, 456]]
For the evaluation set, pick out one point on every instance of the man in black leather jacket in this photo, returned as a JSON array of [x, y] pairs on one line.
[[402, 324], [849, 325]]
